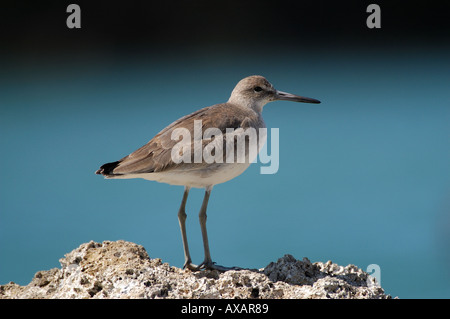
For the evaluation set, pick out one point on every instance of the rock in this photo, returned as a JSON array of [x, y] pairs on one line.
[[120, 269]]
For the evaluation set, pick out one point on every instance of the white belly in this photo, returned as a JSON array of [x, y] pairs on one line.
[[213, 174]]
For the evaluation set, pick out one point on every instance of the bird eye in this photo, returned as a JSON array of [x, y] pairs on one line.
[[257, 89]]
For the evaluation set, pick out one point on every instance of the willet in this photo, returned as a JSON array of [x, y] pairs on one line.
[[154, 161]]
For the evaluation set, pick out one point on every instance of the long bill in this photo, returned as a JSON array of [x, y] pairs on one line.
[[294, 98]]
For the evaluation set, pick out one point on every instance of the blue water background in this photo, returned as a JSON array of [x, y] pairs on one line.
[[363, 179]]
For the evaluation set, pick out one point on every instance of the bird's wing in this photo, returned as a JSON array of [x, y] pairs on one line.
[[156, 155]]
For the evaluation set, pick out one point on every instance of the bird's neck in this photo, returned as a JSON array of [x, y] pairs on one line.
[[247, 104]]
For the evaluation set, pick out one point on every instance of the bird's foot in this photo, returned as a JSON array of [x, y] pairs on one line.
[[210, 265], [189, 265]]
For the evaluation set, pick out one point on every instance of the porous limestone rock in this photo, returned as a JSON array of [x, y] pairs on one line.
[[120, 269]]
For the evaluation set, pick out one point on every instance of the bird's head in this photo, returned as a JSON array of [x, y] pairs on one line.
[[255, 92]]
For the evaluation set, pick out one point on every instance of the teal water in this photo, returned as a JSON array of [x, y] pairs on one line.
[[363, 178]]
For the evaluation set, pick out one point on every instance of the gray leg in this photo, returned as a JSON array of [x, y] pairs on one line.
[[182, 220], [202, 218], [207, 262]]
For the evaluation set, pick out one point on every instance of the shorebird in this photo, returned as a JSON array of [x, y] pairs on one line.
[[154, 161]]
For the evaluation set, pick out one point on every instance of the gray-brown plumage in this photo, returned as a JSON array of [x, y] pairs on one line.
[[155, 156], [154, 161]]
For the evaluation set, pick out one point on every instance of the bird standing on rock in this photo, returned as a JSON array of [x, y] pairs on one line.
[[166, 159]]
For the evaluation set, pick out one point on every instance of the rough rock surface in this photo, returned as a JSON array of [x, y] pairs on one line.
[[122, 269]]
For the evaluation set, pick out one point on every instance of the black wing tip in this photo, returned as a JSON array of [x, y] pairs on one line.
[[107, 169]]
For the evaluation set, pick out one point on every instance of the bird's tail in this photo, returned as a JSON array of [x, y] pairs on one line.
[[107, 169]]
